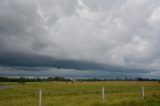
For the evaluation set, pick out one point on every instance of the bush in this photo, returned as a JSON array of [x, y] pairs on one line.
[[22, 80]]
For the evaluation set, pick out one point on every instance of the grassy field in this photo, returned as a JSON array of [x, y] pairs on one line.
[[118, 93]]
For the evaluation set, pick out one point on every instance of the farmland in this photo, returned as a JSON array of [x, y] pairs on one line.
[[117, 93]]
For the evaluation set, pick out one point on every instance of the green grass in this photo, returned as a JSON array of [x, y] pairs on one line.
[[118, 93]]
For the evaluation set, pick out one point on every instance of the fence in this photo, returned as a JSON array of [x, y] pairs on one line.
[[102, 93]]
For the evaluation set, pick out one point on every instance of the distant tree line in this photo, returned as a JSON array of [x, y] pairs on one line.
[[91, 79], [57, 78], [24, 79], [147, 79], [117, 79]]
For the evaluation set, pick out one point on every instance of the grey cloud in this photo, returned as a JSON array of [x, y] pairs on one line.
[[70, 73], [81, 34]]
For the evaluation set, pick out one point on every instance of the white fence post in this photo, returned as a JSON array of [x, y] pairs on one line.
[[142, 91], [103, 94], [40, 97]]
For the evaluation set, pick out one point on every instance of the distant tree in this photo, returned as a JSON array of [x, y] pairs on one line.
[[56, 78], [3, 79], [22, 80]]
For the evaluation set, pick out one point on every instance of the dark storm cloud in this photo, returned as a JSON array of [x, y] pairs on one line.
[[71, 73], [106, 35], [34, 60]]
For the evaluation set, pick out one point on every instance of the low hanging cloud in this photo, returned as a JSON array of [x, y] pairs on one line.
[[106, 35]]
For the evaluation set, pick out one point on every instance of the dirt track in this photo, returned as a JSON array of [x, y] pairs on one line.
[[5, 87]]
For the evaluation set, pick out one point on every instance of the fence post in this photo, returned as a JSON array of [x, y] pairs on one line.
[[142, 92], [40, 97], [103, 94]]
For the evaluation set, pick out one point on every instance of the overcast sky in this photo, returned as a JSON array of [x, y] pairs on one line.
[[80, 38]]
